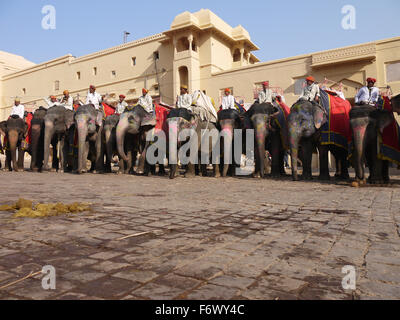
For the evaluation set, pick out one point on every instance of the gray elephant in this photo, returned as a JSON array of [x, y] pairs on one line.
[[15, 130], [180, 119], [57, 121], [267, 136], [37, 142], [367, 122], [89, 126], [132, 130], [304, 123], [228, 121]]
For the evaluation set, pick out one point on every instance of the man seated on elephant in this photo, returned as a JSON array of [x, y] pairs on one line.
[[146, 101], [67, 101], [94, 98], [228, 101], [120, 108], [368, 94], [185, 99], [18, 109], [266, 95], [310, 91], [52, 102]]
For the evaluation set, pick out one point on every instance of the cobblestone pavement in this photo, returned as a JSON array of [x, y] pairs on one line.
[[233, 238]]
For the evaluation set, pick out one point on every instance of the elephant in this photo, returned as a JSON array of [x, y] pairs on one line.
[[110, 142], [180, 119], [304, 122], [89, 125], [228, 121], [57, 122], [132, 130], [366, 122], [15, 130], [37, 144], [261, 118]]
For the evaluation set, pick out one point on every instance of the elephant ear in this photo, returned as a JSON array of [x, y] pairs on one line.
[[319, 117], [396, 104], [99, 119], [385, 118], [3, 128]]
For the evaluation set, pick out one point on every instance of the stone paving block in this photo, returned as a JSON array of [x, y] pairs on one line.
[[136, 275], [212, 292], [157, 291]]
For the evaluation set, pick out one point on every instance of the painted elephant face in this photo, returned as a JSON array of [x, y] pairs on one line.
[[305, 118], [111, 122], [88, 116]]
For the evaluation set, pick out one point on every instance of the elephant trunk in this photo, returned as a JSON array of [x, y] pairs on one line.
[[261, 133], [48, 136], [173, 147], [294, 152], [122, 129], [13, 145], [36, 128], [109, 144], [82, 135], [359, 132], [227, 133]]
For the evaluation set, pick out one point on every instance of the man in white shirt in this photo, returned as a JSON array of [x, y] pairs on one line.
[[121, 106], [368, 94], [228, 101], [311, 91], [266, 95], [18, 109], [93, 97], [146, 101], [67, 101], [185, 100], [52, 102]]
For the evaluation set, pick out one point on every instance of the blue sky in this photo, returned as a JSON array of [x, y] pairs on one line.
[[281, 28]]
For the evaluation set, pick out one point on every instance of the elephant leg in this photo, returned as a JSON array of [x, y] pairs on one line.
[[161, 170], [7, 165], [307, 159], [324, 163], [277, 156], [55, 160], [385, 172]]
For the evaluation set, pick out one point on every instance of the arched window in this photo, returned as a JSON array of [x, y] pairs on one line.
[[183, 76]]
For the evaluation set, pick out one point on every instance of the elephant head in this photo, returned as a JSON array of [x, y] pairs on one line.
[[260, 118], [89, 123], [366, 122], [228, 121], [178, 120], [133, 122], [304, 121], [15, 129]]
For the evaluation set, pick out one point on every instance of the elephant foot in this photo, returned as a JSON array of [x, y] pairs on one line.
[[295, 178], [307, 178], [386, 180], [61, 171], [35, 169], [256, 175], [276, 175], [324, 177], [119, 172], [217, 175], [162, 173], [53, 170], [190, 175]]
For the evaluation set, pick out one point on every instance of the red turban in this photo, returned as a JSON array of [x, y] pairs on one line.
[[227, 90], [92, 87], [310, 78], [266, 83], [371, 80], [122, 96]]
